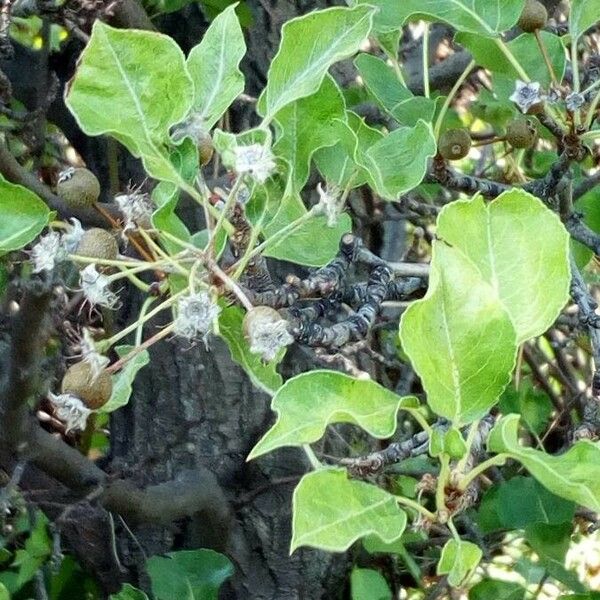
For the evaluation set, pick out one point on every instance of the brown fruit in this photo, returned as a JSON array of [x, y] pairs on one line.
[[454, 144], [521, 133], [79, 381], [79, 188], [205, 149], [98, 243], [533, 17]]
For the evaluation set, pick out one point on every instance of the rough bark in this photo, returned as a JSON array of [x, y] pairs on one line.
[[192, 407]]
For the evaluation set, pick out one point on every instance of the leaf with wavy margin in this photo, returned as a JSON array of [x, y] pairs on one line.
[[121, 89], [522, 250], [331, 512], [574, 475], [307, 403]]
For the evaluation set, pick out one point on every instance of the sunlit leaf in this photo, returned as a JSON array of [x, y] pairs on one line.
[[123, 380], [24, 216], [331, 512], [214, 67], [307, 403], [521, 249], [121, 89], [459, 338], [459, 560], [307, 125], [574, 475], [398, 162], [487, 17], [311, 242], [310, 44]]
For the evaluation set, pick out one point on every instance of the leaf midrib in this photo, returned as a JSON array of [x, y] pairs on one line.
[[311, 69], [131, 91]]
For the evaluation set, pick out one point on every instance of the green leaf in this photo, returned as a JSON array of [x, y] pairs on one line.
[[121, 89], [373, 545], [211, 8], [188, 574], [368, 584], [123, 380], [487, 17], [310, 44], [488, 55], [312, 242], [589, 206], [398, 162], [214, 67], [338, 164], [4, 278], [521, 248], [263, 376], [498, 590], [165, 196], [488, 107], [487, 513], [307, 125], [396, 99], [128, 592], [551, 543], [24, 216], [4, 594], [588, 596], [584, 14], [331, 512], [522, 501], [574, 475], [533, 405], [307, 403], [38, 548], [459, 560], [459, 338], [449, 442]]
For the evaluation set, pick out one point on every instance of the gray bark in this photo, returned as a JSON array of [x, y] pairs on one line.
[[193, 407]]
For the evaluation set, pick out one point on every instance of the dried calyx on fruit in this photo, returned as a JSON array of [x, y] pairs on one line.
[[533, 17], [99, 244], [70, 410], [454, 144], [93, 389], [521, 132], [266, 331], [79, 188]]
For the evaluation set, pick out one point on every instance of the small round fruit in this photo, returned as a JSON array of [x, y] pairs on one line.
[[521, 133], [533, 17], [258, 316], [98, 243], [79, 188], [79, 381], [454, 144], [205, 149]]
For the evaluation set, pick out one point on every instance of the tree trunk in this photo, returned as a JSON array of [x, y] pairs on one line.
[[194, 406]]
